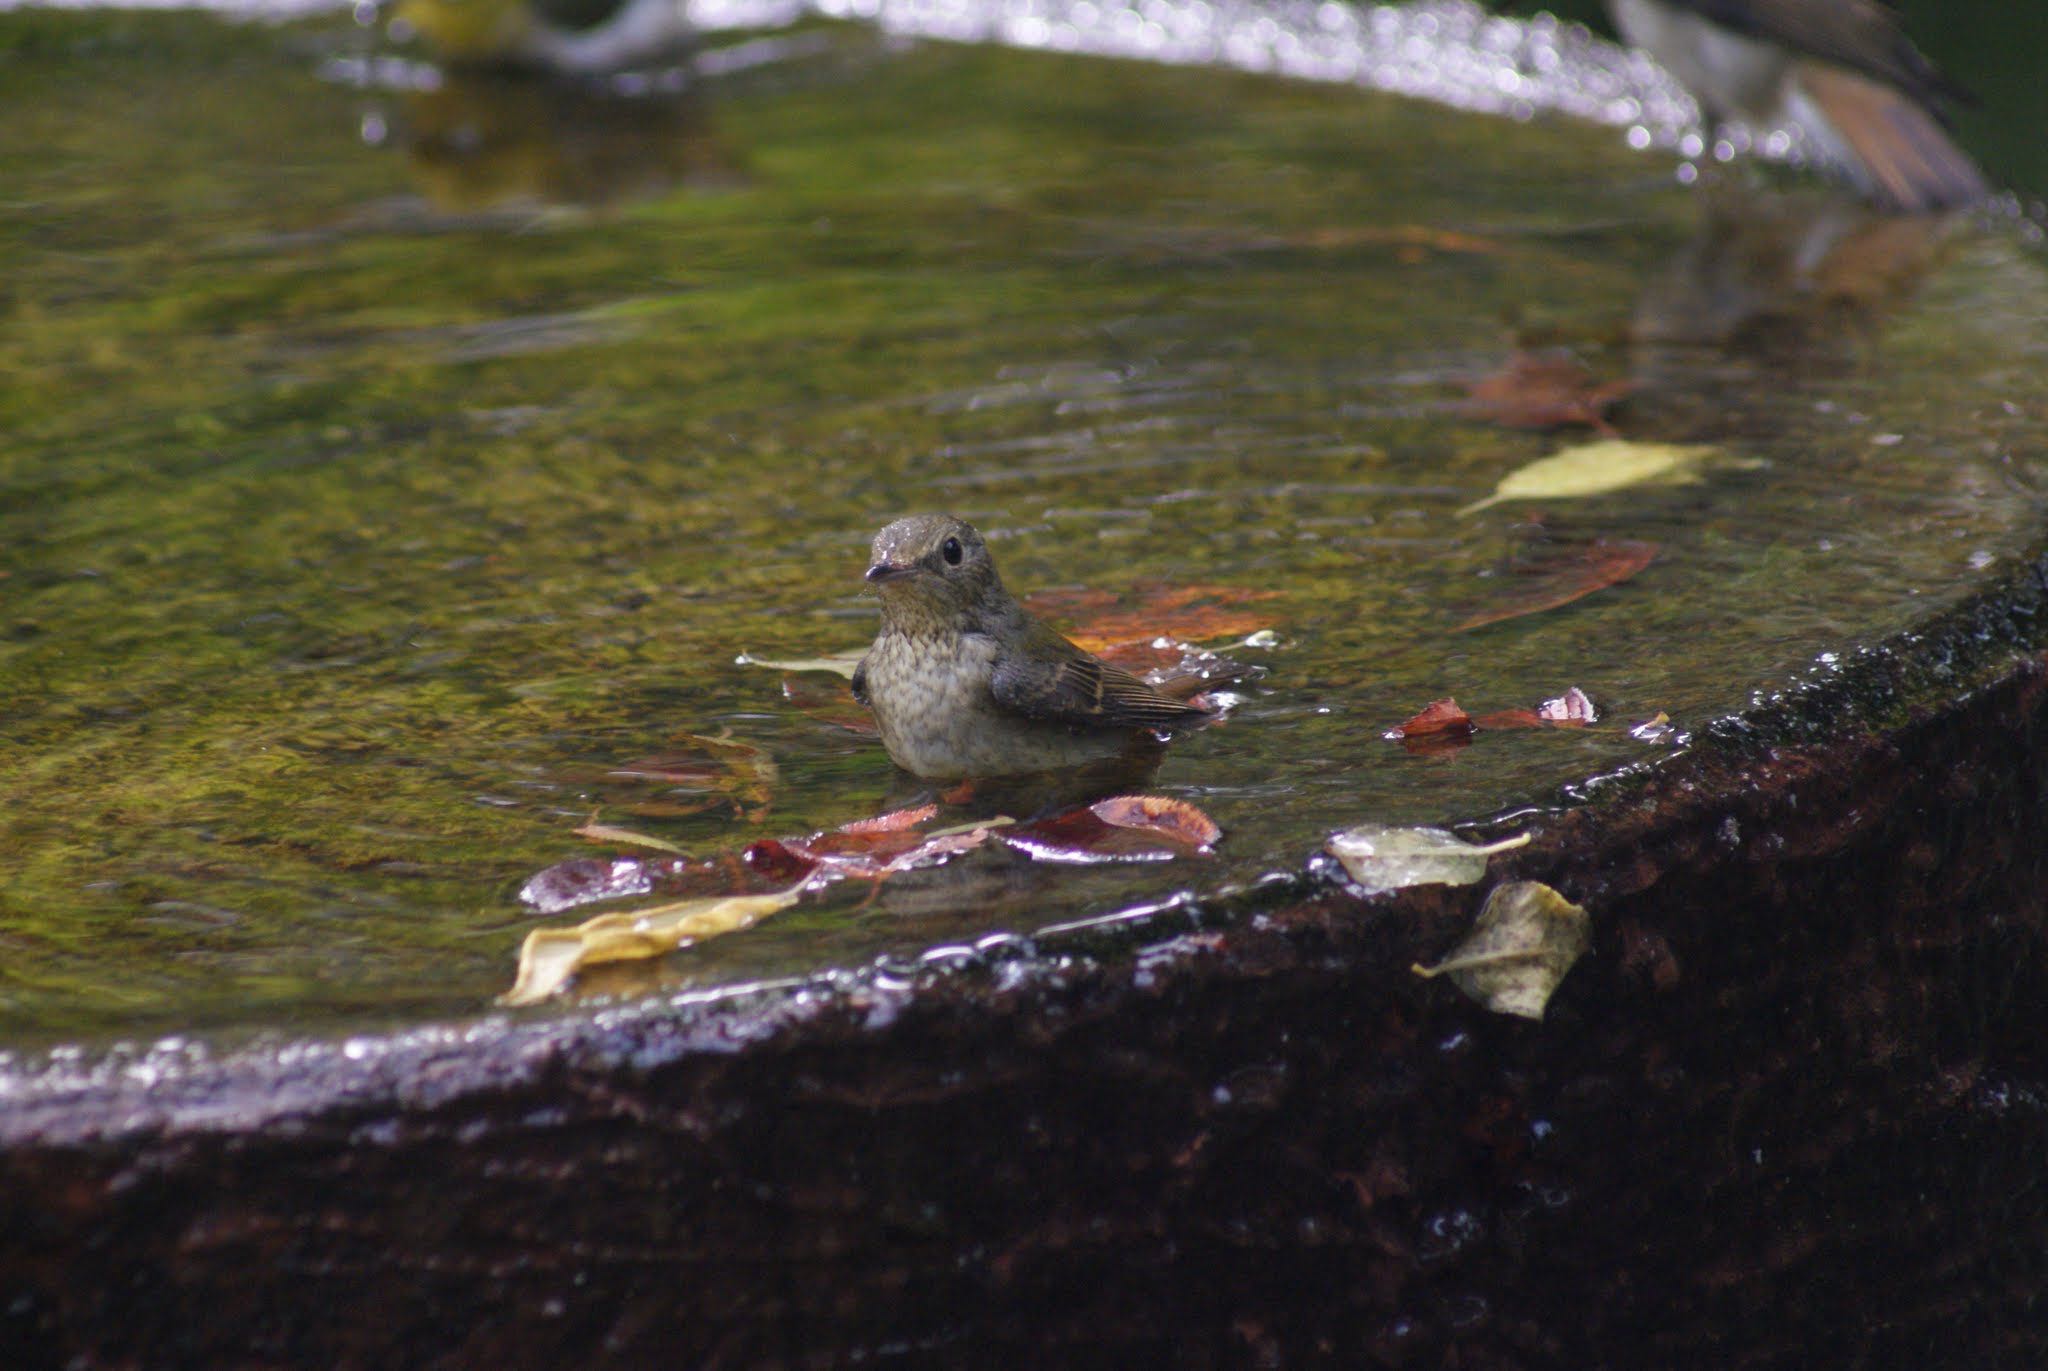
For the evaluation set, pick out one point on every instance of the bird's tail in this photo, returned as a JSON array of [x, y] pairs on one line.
[[1894, 147], [1199, 673]]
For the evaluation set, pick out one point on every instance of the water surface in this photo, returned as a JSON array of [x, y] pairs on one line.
[[384, 466]]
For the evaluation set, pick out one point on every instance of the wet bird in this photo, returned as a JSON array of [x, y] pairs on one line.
[[963, 681], [1841, 70]]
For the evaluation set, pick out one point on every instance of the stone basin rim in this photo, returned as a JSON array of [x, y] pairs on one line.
[[126, 1091]]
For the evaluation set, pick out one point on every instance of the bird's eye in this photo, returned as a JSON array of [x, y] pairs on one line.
[[950, 550]]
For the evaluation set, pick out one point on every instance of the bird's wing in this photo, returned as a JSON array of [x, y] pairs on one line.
[[860, 681], [1055, 681], [1862, 35]]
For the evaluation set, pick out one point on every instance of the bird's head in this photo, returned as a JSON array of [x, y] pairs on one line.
[[932, 567]]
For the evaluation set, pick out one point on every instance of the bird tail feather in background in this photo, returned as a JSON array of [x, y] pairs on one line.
[[1894, 147]]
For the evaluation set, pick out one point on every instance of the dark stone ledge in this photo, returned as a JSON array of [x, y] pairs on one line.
[[1790, 1112]]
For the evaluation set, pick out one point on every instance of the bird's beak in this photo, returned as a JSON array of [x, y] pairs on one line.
[[882, 571]]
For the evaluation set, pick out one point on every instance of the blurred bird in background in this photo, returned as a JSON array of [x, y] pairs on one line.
[[583, 37], [1840, 70]]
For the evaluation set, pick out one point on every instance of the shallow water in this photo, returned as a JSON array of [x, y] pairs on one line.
[[386, 466]]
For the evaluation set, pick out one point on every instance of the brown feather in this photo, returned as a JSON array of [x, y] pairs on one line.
[[1858, 35], [1910, 162], [1055, 681]]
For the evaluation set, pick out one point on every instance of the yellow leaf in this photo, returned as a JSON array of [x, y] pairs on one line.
[[606, 833], [1379, 857], [1522, 944], [551, 956], [1596, 469]]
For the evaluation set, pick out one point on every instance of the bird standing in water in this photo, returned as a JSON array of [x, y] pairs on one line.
[[1839, 69], [963, 681]]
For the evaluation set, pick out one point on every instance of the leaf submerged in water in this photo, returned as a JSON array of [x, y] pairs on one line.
[[605, 833], [1186, 613], [1381, 858], [1545, 390], [1597, 469], [1523, 943], [1558, 580]]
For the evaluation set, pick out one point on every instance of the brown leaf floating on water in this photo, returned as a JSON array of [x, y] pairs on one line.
[[1175, 819], [1440, 729], [1564, 576], [1543, 390], [1523, 943], [1439, 716]]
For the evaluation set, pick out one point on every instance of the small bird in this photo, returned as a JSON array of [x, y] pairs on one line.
[[1841, 70], [963, 681]]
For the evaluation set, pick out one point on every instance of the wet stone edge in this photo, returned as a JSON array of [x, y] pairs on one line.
[[1606, 838]]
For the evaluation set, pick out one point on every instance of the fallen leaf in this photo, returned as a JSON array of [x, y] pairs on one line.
[[1126, 828], [892, 821], [839, 663], [1545, 390], [1597, 469], [605, 833], [551, 957], [1655, 729], [1438, 717], [1403, 237], [719, 768], [587, 880], [1188, 613], [1560, 578], [1574, 707], [1507, 719], [1176, 819], [1527, 937], [1380, 858]]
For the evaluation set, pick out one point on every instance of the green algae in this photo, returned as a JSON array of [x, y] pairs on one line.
[[344, 537]]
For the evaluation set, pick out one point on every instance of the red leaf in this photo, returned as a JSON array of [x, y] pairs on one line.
[[1441, 717], [894, 821], [1509, 718], [867, 843], [1124, 828], [1187, 612], [1569, 576], [1545, 390], [774, 861], [1176, 819]]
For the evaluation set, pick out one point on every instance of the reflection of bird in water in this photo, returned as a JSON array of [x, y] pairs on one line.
[[1838, 69], [1785, 275], [480, 140], [577, 36]]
